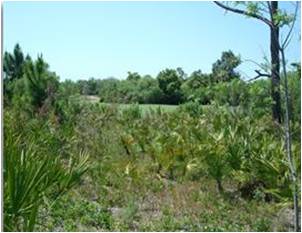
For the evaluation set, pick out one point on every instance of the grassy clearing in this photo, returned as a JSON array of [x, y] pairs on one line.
[[147, 107], [143, 107]]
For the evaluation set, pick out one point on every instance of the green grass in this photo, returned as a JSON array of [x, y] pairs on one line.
[[147, 107], [143, 107]]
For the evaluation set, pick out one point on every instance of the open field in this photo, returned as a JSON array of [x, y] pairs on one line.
[[148, 107], [143, 107]]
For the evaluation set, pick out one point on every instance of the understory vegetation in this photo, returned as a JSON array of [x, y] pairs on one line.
[[214, 162]]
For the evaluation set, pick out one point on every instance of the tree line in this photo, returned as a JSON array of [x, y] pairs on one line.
[[30, 84], [170, 86]]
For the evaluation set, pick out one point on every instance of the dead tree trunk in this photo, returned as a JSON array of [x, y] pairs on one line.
[[275, 66]]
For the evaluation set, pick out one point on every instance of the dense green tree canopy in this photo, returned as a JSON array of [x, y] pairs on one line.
[[133, 76], [41, 83], [224, 68], [170, 81], [13, 64]]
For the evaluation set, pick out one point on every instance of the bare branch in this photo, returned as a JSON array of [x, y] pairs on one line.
[[261, 66], [242, 12], [287, 39], [262, 74], [258, 76], [264, 6], [270, 9]]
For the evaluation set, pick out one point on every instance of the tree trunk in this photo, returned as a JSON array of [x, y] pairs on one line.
[[219, 186], [275, 67], [289, 149]]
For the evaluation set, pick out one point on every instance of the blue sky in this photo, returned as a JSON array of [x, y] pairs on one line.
[[104, 39]]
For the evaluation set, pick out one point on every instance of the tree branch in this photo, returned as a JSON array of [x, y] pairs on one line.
[[242, 12], [258, 76], [287, 39], [261, 66], [270, 9]]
